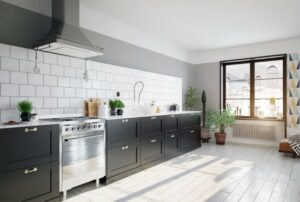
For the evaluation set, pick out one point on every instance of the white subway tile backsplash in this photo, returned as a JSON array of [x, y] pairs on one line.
[[63, 102], [64, 81], [18, 52], [43, 91], [4, 50], [50, 102], [10, 64], [50, 80], [15, 100], [9, 89], [18, 77], [10, 115], [4, 76], [27, 90], [57, 92], [35, 79], [57, 70], [37, 102], [4, 102], [63, 60], [70, 92], [50, 58], [60, 88]]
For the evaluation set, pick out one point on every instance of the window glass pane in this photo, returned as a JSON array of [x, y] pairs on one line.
[[238, 88], [269, 88], [239, 107]]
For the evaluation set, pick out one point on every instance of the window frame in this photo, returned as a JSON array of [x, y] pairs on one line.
[[252, 61]]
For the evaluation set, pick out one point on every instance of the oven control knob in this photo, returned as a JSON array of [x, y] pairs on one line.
[[67, 129], [78, 128], [99, 126], [95, 126], [73, 129]]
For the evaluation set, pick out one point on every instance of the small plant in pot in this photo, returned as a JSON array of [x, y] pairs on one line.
[[191, 98], [119, 106], [221, 120], [112, 106], [25, 107]]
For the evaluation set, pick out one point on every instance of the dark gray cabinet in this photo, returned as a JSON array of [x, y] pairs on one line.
[[171, 143], [172, 123], [29, 166], [153, 125], [190, 120], [123, 145], [152, 149], [190, 138]]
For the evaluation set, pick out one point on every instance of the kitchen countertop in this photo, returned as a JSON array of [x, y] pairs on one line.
[[126, 116], [27, 124]]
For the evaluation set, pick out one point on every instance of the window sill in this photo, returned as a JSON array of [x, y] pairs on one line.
[[259, 119]]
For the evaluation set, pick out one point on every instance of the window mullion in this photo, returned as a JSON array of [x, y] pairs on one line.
[[252, 89]]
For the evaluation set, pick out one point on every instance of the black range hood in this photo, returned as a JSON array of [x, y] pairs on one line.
[[65, 36]]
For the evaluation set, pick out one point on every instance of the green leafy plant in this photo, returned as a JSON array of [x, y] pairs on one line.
[[25, 106], [221, 119], [119, 104], [112, 104], [191, 98]]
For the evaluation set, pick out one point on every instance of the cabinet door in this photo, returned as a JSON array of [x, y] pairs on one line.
[[24, 146], [34, 183], [153, 125], [190, 137], [122, 157], [190, 120], [171, 123], [152, 148], [122, 130], [171, 143]]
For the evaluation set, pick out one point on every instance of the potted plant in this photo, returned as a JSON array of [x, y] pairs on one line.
[[205, 130], [119, 106], [191, 98], [112, 106], [221, 120], [25, 107]]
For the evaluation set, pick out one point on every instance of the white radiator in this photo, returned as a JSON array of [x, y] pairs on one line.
[[254, 131]]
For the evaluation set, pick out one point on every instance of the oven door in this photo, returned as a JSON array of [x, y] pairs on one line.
[[83, 157]]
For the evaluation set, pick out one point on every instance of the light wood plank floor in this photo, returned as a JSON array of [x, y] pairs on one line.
[[233, 172]]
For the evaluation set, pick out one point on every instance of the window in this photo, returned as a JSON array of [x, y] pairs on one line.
[[256, 87]]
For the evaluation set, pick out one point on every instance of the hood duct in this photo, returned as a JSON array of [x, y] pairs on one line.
[[65, 36]]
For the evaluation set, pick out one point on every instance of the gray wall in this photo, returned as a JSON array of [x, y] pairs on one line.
[[21, 27], [208, 79]]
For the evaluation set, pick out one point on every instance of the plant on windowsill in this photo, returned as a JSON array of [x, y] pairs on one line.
[[119, 106], [25, 107], [191, 98], [220, 120]]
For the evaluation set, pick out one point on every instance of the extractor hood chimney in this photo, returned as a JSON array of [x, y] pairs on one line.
[[65, 36]]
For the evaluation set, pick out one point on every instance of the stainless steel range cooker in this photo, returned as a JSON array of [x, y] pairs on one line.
[[82, 149]]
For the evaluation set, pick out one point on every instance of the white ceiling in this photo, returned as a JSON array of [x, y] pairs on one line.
[[197, 25]]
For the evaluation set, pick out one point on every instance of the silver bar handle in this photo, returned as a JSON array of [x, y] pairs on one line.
[[192, 114], [124, 120], [172, 116], [192, 131], [153, 117], [125, 147], [153, 141], [172, 136], [30, 170], [30, 130]]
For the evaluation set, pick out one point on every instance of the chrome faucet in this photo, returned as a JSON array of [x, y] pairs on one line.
[[138, 82]]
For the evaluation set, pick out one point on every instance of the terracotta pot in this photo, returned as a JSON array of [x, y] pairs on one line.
[[205, 133], [220, 138]]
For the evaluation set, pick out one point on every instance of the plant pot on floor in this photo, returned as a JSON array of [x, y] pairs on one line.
[[205, 133], [220, 138], [25, 116]]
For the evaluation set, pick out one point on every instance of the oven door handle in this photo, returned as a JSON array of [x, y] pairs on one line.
[[87, 136]]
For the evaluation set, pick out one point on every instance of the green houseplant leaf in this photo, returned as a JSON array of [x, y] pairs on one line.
[[25, 106], [221, 119], [119, 104], [191, 98]]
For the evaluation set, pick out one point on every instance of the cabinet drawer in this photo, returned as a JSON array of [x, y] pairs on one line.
[[171, 123], [26, 145], [189, 120], [122, 158], [152, 148], [190, 137], [122, 129], [153, 125], [34, 183], [171, 143]]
